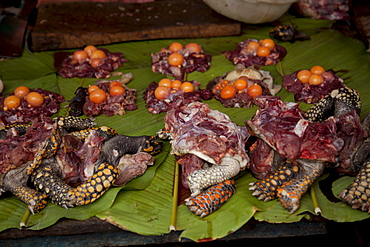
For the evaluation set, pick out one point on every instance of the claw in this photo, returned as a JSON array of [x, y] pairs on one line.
[[262, 197], [16, 183], [256, 193]]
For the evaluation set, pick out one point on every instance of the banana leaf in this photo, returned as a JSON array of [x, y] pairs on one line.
[[144, 205]]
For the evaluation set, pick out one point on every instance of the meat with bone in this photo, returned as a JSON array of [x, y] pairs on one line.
[[213, 137], [283, 127]]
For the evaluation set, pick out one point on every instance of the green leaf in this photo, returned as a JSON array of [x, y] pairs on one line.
[[52, 213], [12, 211], [48, 82], [146, 211], [31, 66]]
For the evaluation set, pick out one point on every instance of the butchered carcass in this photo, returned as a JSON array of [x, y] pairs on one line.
[[307, 146], [218, 143]]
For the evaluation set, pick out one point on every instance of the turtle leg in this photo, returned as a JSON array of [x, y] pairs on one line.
[[97, 185], [288, 183], [266, 189], [47, 179], [358, 193], [211, 199], [338, 102], [321, 110], [103, 131], [34, 200], [201, 179], [15, 181], [290, 192], [72, 123]]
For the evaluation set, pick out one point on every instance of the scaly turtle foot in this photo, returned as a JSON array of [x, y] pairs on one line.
[[16, 182], [358, 193], [97, 185], [34, 200], [211, 199], [201, 179], [47, 179], [266, 189], [289, 183]]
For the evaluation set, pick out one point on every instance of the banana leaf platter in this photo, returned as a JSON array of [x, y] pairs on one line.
[[144, 206]]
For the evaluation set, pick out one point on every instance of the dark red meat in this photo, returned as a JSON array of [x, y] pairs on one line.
[[16, 150], [261, 159], [132, 166], [112, 105], [89, 153], [68, 159], [324, 9], [71, 68], [240, 56], [311, 93], [175, 100], [283, 127], [353, 134], [192, 62], [26, 113]]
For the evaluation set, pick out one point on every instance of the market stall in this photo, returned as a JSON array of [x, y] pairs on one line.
[[144, 206]]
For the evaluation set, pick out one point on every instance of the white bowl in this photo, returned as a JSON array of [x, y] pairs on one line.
[[251, 11]]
